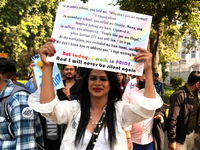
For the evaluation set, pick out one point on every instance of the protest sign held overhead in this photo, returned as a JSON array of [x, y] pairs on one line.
[[57, 80], [99, 38]]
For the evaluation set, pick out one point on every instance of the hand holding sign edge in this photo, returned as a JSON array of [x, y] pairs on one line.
[[145, 56], [47, 49]]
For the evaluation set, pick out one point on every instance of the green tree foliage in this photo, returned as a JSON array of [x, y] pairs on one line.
[[172, 20], [164, 72], [177, 82], [24, 27], [170, 44], [24, 60], [25, 24], [168, 93]]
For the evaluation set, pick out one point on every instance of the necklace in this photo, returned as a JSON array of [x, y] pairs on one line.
[[98, 125], [91, 119]]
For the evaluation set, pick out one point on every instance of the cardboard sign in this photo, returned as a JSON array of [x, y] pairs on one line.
[[57, 80], [99, 38]]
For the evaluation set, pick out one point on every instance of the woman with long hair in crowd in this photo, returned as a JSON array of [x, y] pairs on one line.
[[122, 83], [98, 118]]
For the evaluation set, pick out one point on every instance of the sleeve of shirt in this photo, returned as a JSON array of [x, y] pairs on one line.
[[174, 109], [27, 129], [27, 85], [60, 112], [143, 108], [126, 96], [73, 96], [162, 91]]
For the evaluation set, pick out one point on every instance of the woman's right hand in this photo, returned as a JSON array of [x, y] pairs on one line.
[[47, 49]]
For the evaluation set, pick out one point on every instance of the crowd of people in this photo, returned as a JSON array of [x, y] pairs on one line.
[[95, 109]]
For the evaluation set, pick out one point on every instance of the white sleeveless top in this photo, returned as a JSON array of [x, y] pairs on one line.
[[102, 141]]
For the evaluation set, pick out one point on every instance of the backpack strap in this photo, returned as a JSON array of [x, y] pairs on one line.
[[6, 100], [4, 108], [6, 115]]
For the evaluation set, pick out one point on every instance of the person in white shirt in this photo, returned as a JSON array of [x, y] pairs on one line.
[[99, 98]]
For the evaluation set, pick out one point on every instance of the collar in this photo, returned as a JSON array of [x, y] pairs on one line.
[[188, 91], [65, 81], [157, 82], [7, 90]]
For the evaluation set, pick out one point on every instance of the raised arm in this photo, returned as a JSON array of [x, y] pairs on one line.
[[34, 80], [146, 56], [47, 90]]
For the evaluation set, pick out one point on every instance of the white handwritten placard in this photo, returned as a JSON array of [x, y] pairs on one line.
[[57, 80], [99, 38]]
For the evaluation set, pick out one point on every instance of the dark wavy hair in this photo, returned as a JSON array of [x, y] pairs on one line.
[[123, 82], [110, 119], [69, 65], [193, 77], [7, 68]]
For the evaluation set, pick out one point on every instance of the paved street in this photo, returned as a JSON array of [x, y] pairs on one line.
[[166, 142]]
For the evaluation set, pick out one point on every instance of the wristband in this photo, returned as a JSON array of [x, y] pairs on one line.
[[69, 96]]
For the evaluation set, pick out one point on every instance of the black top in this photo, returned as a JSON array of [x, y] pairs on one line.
[[73, 91], [51, 144], [179, 114]]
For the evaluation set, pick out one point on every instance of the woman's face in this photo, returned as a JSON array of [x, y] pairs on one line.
[[98, 83], [120, 77]]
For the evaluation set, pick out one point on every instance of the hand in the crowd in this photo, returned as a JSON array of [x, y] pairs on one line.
[[145, 56], [172, 146], [159, 117], [66, 91], [47, 49], [32, 65], [34, 79], [129, 144]]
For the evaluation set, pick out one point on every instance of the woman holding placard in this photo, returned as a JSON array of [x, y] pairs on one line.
[[98, 119]]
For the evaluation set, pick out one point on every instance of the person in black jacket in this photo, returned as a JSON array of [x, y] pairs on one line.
[[159, 127], [71, 85], [183, 114]]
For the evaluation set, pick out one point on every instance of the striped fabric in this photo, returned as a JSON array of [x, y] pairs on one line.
[[27, 130]]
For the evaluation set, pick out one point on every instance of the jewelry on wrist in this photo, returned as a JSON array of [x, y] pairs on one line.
[[68, 96]]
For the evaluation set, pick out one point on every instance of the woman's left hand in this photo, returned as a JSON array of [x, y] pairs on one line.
[[145, 56]]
